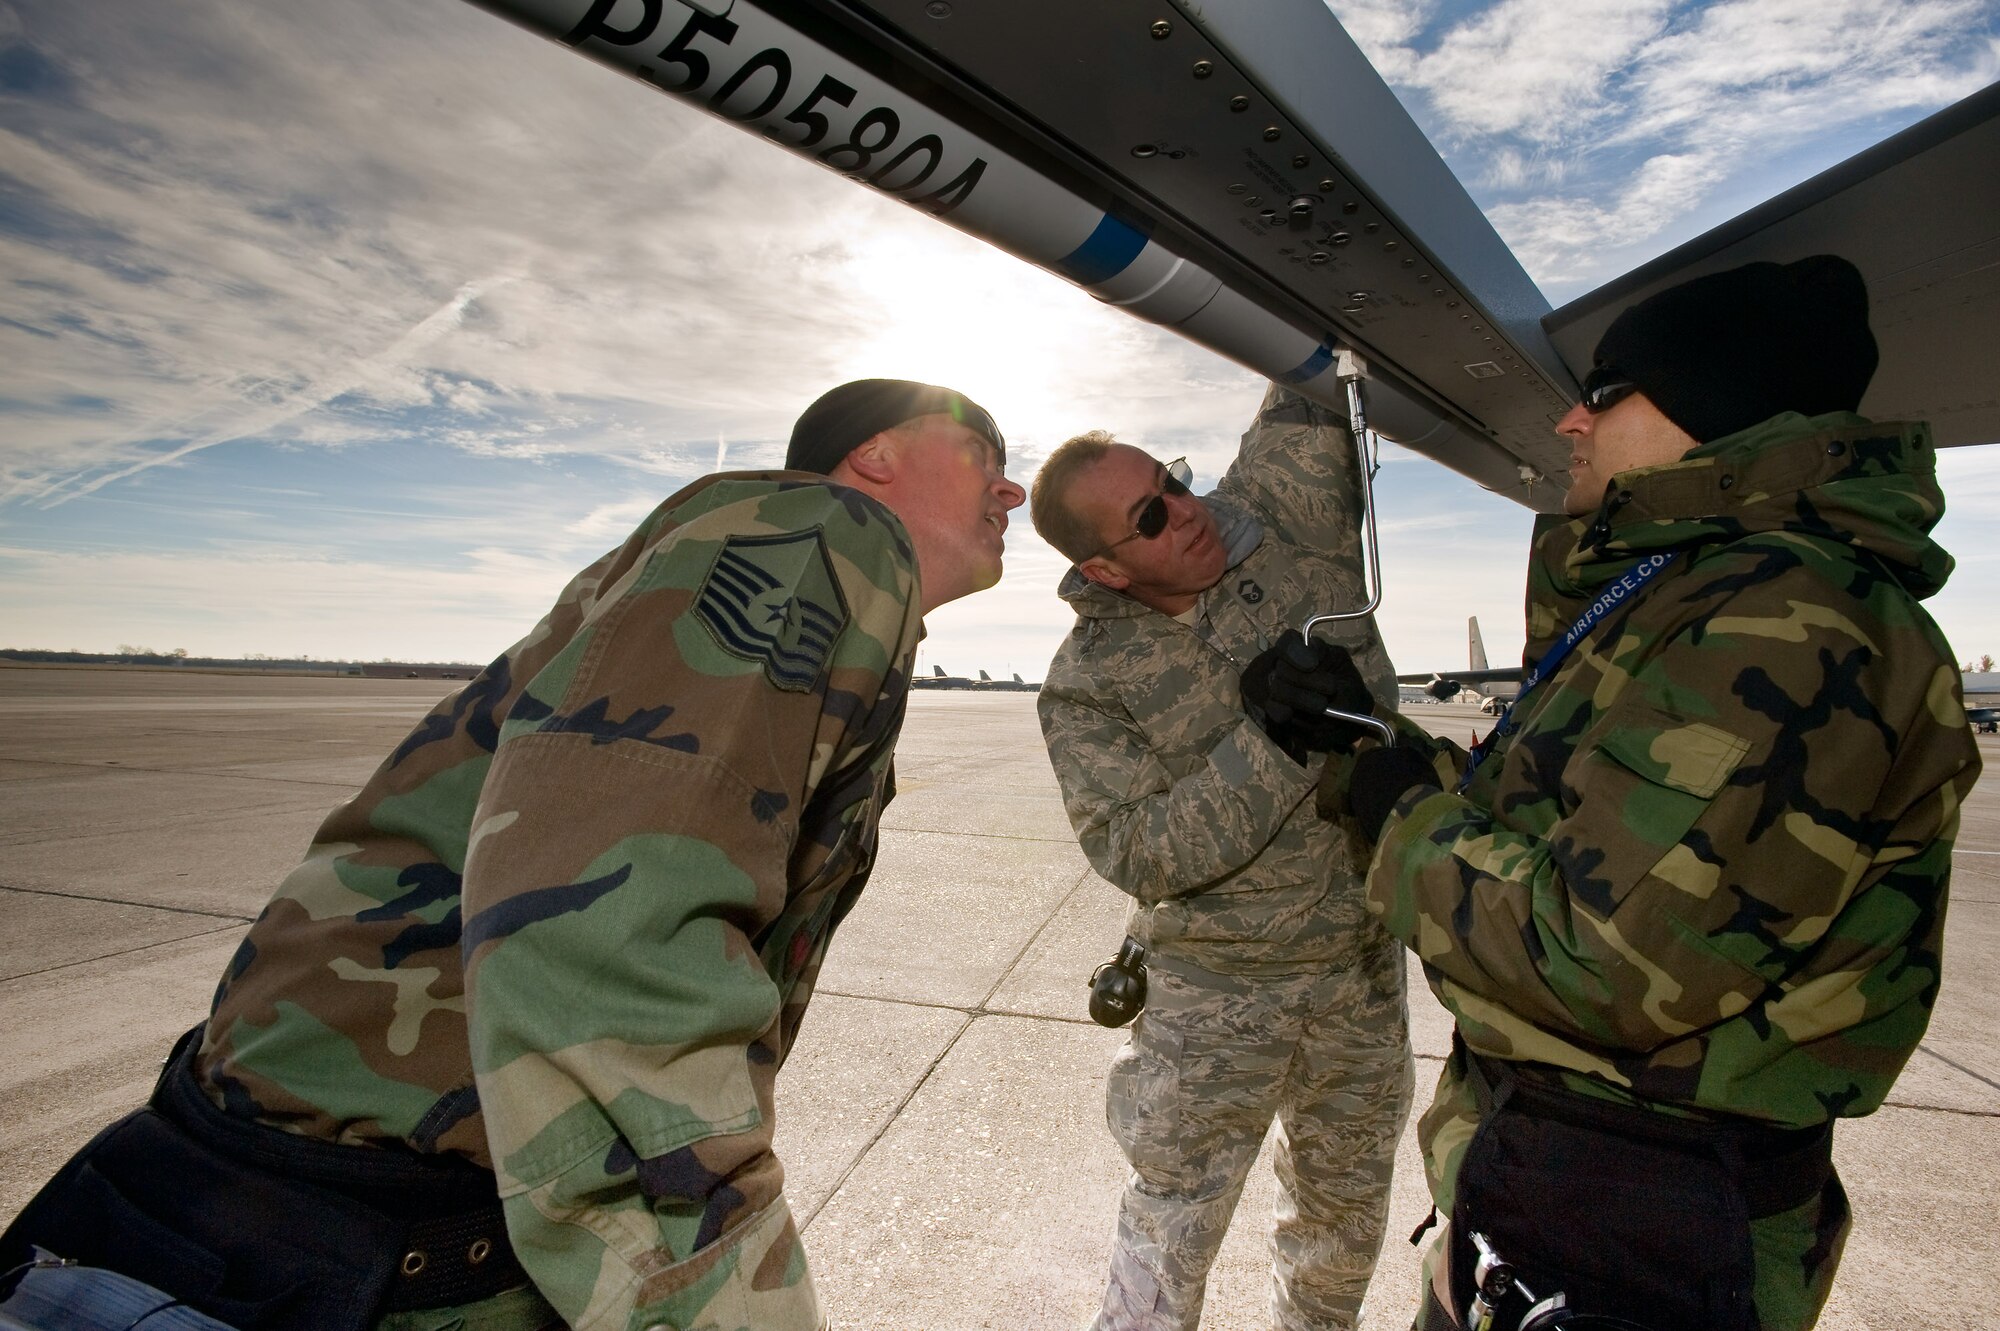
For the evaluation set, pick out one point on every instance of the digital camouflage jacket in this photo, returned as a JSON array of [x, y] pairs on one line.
[[1176, 795], [1707, 870], [568, 929]]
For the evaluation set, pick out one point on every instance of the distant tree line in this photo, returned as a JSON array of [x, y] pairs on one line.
[[1981, 666], [130, 654]]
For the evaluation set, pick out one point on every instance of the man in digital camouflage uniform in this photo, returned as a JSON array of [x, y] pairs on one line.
[[1688, 909], [1271, 991], [568, 929]]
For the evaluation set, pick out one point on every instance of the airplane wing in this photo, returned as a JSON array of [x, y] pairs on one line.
[[1241, 174], [1237, 173], [1502, 675]]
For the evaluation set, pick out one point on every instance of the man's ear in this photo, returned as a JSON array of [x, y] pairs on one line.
[[874, 460], [1103, 574]]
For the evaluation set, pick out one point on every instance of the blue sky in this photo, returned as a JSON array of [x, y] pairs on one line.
[[354, 329]]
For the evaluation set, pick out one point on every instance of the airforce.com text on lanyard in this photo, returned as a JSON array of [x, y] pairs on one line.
[[1627, 585]]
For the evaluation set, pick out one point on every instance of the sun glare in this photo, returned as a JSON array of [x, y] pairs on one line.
[[1027, 346]]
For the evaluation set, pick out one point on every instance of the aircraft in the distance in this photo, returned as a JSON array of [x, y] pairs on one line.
[[1497, 685], [937, 679], [1982, 700], [1241, 174]]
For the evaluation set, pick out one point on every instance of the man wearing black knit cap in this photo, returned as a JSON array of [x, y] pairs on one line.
[[500, 1052], [934, 457], [1686, 903], [1711, 357]]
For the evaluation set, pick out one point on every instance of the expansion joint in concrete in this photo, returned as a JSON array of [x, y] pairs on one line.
[[1942, 1109], [1954, 1064], [888, 1121], [990, 836], [121, 952], [120, 901], [258, 777]]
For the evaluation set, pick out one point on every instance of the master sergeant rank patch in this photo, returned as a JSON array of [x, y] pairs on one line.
[[774, 600]]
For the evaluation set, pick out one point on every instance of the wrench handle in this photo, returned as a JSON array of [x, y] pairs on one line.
[[1376, 724]]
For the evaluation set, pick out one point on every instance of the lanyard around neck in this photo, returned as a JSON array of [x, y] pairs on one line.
[[1622, 589]]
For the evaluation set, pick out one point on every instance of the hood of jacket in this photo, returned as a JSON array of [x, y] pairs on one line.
[[1237, 530], [1839, 477]]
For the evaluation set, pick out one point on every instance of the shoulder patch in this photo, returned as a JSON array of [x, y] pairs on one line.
[[774, 601]]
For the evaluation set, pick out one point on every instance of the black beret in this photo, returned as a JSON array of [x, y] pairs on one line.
[[1725, 351], [848, 416]]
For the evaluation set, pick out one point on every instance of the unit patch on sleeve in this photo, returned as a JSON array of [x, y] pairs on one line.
[[774, 600]]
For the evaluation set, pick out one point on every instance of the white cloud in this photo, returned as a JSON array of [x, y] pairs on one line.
[[1385, 30], [1599, 132], [1543, 69], [1782, 69], [609, 523], [297, 241], [528, 254], [1562, 239]]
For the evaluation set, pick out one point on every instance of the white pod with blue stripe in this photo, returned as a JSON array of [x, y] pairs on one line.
[[741, 63]]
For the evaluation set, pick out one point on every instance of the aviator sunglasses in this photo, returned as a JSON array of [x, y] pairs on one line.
[[1152, 519], [1604, 388]]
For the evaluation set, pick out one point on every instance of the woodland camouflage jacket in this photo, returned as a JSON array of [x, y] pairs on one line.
[[567, 930], [1708, 867], [1176, 795]]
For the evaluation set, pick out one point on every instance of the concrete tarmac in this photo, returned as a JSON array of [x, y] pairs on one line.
[[942, 1118]]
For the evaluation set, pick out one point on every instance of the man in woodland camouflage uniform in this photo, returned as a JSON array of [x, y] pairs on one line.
[[567, 931], [1271, 991], [1687, 909]]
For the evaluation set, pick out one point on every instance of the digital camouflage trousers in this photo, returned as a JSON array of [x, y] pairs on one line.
[[1211, 1062]]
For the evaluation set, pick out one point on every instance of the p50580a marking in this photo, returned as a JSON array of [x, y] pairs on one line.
[[754, 90]]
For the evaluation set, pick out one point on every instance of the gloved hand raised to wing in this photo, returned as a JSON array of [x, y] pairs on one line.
[[1290, 684]]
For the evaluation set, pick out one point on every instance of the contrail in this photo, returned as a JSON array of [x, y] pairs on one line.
[[441, 321]]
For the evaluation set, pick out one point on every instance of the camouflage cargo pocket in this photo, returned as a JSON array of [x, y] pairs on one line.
[[1142, 1093], [1639, 790]]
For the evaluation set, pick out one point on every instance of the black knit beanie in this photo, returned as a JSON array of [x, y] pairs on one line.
[[1723, 352], [848, 416]]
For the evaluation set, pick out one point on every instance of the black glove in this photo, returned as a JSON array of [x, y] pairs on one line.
[[1383, 776], [1291, 683]]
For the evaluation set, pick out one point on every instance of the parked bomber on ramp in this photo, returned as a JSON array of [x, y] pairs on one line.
[[1240, 174], [937, 679]]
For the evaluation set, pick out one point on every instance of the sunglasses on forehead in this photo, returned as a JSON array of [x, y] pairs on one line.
[[1152, 519], [1604, 388]]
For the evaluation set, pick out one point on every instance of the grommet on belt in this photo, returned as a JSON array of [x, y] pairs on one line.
[[454, 1259]]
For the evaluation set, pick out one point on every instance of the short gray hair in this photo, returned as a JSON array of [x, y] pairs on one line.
[[1048, 505]]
